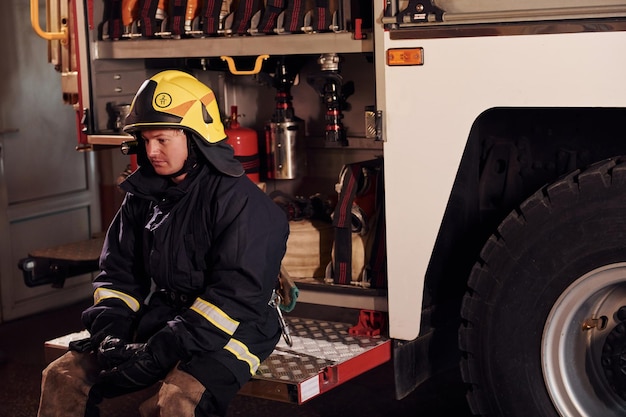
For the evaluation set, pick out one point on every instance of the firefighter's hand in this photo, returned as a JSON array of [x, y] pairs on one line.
[[138, 372], [148, 364], [81, 345], [113, 351]]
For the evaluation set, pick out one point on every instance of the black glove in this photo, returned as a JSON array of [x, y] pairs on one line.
[[81, 345], [113, 351], [148, 364]]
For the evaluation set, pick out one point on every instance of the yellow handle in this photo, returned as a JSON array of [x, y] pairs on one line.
[[34, 21], [234, 70]]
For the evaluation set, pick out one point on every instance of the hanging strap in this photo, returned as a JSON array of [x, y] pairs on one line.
[[294, 15], [211, 16], [243, 15], [376, 259], [324, 16], [272, 10], [178, 9], [147, 17], [342, 220], [113, 16]]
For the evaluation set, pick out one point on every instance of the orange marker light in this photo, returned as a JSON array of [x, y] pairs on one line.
[[405, 56]]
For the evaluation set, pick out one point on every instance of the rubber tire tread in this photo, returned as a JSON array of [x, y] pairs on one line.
[[496, 386]]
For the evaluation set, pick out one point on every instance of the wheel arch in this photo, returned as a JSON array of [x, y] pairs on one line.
[[566, 232], [509, 154]]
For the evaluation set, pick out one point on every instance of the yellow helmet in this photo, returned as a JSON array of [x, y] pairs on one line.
[[176, 99]]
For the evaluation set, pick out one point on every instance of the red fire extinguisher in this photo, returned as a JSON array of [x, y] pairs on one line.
[[245, 142]]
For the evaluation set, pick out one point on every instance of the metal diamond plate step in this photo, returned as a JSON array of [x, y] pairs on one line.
[[324, 355]]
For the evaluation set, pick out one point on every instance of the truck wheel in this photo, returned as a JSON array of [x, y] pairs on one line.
[[542, 318]]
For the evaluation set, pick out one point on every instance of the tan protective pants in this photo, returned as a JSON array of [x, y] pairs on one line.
[[66, 383]]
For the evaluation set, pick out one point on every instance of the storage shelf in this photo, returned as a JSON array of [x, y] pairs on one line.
[[312, 142], [108, 139], [314, 292], [291, 44]]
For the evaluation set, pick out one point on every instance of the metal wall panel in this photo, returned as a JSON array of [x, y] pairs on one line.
[[47, 193]]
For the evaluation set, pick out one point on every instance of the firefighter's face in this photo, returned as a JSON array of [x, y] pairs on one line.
[[166, 149]]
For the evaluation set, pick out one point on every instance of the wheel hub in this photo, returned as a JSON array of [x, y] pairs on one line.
[[584, 364], [614, 358]]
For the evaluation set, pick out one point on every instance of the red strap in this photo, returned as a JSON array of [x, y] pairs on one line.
[[211, 16], [243, 16], [147, 17], [294, 16], [113, 16], [342, 220], [324, 16], [177, 16], [272, 10]]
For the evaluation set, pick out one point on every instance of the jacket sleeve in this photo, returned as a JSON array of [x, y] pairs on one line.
[[121, 285], [248, 241]]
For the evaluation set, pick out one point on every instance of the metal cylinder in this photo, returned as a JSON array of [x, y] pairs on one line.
[[283, 146]]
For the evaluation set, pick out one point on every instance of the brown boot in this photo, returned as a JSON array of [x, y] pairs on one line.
[[66, 384], [178, 396]]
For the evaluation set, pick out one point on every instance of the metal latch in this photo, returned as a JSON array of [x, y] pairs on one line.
[[417, 11], [373, 123]]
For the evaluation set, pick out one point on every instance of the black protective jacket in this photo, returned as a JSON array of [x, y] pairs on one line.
[[203, 255]]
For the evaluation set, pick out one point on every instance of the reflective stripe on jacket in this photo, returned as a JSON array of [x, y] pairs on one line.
[[219, 240]]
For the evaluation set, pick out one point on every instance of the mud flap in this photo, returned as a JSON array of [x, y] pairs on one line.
[[416, 361]]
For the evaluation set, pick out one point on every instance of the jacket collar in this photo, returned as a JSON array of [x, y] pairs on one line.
[[146, 184]]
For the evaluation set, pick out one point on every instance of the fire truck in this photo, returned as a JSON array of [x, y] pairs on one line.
[[501, 125]]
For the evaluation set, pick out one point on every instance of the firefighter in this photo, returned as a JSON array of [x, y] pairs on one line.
[[188, 268]]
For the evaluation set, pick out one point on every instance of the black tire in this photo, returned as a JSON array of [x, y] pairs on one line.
[[555, 265]]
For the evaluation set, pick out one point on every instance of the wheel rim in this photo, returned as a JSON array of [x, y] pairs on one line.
[[573, 337]]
